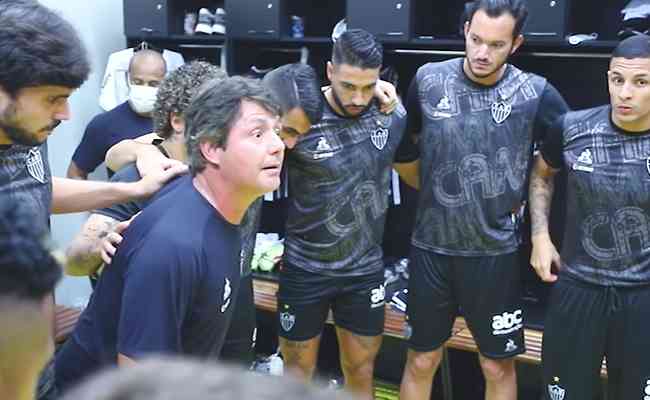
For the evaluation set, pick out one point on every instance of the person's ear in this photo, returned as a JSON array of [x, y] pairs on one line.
[[177, 122], [211, 153]]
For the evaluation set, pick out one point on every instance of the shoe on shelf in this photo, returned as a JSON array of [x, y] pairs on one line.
[[189, 23], [219, 22], [205, 21]]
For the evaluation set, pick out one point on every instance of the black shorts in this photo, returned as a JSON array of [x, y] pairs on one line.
[[585, 322], [304, 299], [486, 289], [240, 338]]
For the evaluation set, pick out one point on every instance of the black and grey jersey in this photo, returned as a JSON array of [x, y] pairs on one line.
[[339, 181], [475, 149], [607, 236], [25, 177]]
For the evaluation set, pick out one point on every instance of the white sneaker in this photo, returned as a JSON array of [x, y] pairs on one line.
[[219, 24], [205, 21]]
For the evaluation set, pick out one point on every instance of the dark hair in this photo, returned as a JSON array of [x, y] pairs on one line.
[[296, 85], [637, 46], [38, 47], [216, 108], [27, 268], [357, 48], [496, 8], [176, 378], [177, 89]]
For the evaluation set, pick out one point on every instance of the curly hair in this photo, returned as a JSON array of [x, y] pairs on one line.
[[177, 89], [27, 269]]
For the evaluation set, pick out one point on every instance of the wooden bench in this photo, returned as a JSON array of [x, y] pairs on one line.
[[461, 337]]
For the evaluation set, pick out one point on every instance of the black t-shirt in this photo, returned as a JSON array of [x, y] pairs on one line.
[[339, 179], [124, 211], [475, 148], [107, 129], [25, 177], [607, 236], [170, 287]]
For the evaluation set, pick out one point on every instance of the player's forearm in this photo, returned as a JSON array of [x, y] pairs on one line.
[[540, 196], [69, 195], [84, 252]]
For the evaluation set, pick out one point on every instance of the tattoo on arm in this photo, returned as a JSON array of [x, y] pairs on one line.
[[84, 253], [541, 193]]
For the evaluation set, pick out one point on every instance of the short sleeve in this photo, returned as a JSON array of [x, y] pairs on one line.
[[92, 149], [553, 147], [408, 148], [551, 107]]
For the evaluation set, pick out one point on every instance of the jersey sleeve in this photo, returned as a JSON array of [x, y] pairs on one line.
[[551, 107], [124, 211], [158, 291], [92, 149], [408, 149], [553, 147]]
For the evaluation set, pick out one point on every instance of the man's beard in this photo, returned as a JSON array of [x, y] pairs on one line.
[[340, 105], [494, 71], [18, 134]]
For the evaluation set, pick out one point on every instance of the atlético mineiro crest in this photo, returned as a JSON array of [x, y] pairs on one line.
[[379, 137], [555, 391], [287, 321], [34, 164], [500, 111]]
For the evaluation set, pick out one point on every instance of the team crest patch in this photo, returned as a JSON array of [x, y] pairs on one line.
[[555, 392], [35, 166], [379, 137], [501, 111], [287, 321], [647, 165]]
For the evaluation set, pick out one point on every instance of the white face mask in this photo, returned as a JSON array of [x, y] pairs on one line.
[[142, 98]]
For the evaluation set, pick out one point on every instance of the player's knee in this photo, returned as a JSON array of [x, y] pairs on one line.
[[423, 364], [358, 367], [299, 368], [497, 370]]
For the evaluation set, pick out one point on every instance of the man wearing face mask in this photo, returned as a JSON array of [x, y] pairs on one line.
[[128, 120]]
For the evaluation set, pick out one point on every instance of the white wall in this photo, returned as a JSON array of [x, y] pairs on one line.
[[100, 25]]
